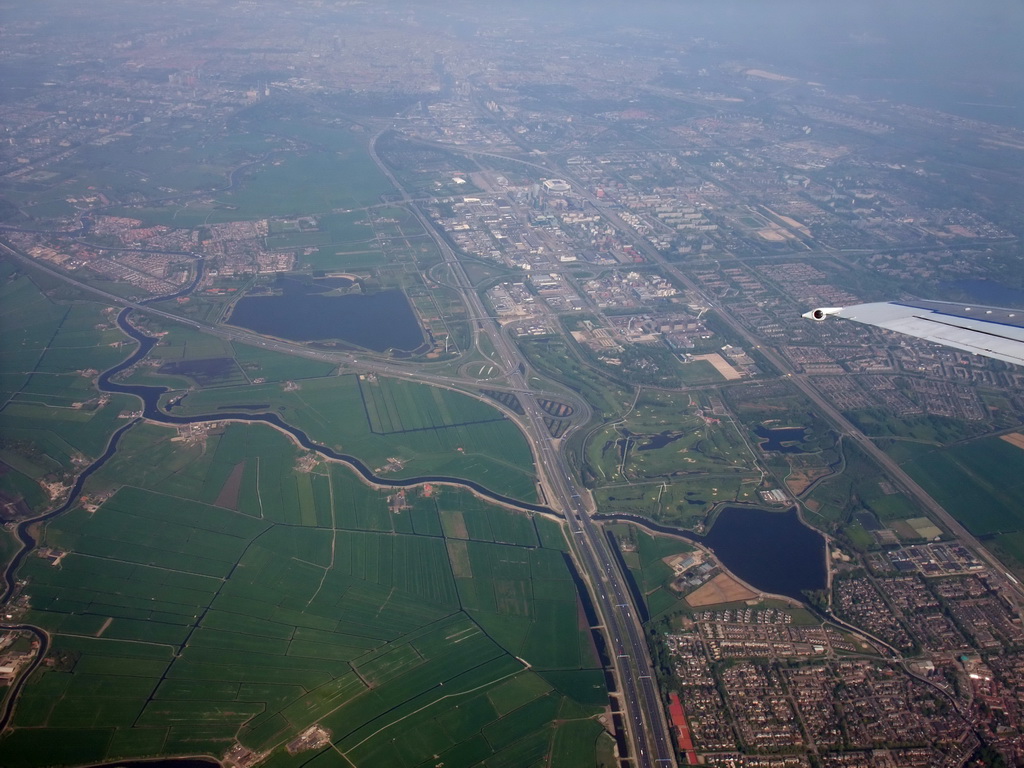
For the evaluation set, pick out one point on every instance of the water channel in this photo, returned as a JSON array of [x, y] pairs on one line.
[[150, 397], [774, 552]]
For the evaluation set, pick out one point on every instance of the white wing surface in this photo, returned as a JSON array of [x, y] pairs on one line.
[[989, 331]]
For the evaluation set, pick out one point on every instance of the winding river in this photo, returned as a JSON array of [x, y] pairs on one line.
[[150, 397]]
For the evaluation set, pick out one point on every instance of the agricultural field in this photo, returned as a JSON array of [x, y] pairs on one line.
[[341, 242], [259, 363], [375, 242], [425, 430], [51, 350], [184, 162], [924, 428], [980, 483], [52, 417], [202, 604], [187, 358], [270, 176]]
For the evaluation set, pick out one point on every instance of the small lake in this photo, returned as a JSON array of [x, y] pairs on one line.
[[781, 439], [771, 551], [376, 321], [656, 442]]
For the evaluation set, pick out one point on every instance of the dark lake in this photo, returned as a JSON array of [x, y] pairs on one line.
[[376, 321], [654, 442], [868, 520], [781, 439], [771, 551]]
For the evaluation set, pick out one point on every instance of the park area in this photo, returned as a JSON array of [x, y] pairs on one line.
[[670, 459]]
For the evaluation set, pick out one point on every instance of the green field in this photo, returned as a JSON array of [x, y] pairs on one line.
[[665, 435], [554, 358], [699, 372], [430, 431], [52, 417], [683, 503], [273, 176], [219, 584], [668, 460], [858, 487], [225, 595], [980, 483]]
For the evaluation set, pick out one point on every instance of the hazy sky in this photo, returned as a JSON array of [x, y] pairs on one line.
[[957, 55], [949, 54]]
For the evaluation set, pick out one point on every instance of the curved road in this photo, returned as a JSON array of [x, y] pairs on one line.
[[648, 732]]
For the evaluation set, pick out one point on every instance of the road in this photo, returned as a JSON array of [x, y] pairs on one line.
[[843, 426], [643, 712], [648, 733]]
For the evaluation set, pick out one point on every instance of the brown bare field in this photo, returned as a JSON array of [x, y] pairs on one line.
[[721, 589], [1015, 439], [765, 75], [228, 496], [798, 481], [772, 235], [728, 372]]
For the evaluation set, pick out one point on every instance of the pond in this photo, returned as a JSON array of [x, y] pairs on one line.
[[781, 439]]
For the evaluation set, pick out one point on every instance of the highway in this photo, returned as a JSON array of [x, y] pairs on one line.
[[844, 427], [640, 703], [648, 732]]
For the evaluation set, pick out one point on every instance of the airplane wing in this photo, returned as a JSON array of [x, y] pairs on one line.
[[989, 331]]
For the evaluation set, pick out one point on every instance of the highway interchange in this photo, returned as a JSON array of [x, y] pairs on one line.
[[647, 731], [641, 703]]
